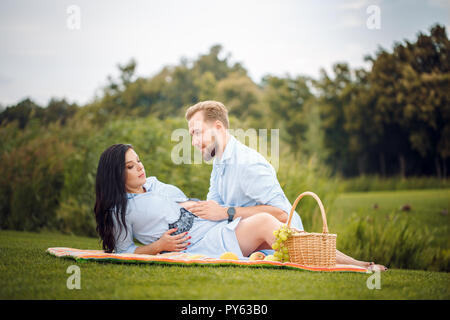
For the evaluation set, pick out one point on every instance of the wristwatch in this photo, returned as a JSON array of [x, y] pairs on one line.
[[231, 212]]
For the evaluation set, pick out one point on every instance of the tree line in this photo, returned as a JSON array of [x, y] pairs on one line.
[[389, 119]]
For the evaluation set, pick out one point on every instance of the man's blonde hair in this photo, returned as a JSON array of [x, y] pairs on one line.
[[212, 111]]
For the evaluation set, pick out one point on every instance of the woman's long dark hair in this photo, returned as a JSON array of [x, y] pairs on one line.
[[110, 194]]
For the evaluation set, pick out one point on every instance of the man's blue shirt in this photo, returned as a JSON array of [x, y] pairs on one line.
[[242, 177]]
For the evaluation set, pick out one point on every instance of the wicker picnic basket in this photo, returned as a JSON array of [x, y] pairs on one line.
[[312, 249]]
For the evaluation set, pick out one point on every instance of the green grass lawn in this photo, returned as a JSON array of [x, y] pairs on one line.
[[28, 272]]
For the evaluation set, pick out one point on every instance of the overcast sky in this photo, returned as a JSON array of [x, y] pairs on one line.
[[44, 54]]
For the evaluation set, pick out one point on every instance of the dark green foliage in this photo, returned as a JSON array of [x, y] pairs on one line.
[[286, 99], [27, 110], [395, 118], [32, 178]]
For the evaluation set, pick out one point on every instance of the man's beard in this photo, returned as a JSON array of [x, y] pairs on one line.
[[210, 151]]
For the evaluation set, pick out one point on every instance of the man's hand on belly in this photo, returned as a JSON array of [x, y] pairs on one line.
[[186, 204], [209, 209]]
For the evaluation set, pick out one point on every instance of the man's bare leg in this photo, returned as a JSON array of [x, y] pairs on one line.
[[256, 232]]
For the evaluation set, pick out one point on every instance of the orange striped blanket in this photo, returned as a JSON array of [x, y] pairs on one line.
[[176, 258]]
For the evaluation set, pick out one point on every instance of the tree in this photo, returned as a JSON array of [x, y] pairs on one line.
[[334, 95], [211, 62], [286, 98], [240, 94], [393, 118], [409, 88], [21, 112], [59, 110]]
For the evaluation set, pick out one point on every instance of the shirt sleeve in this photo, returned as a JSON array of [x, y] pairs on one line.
[[124, 237], [259, 182], [213, 194]]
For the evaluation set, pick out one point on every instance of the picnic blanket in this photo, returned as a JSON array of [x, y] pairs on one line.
[[177, 258]]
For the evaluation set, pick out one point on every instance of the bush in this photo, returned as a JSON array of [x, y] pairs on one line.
[[298, 176], [32, 176], [393, 243]]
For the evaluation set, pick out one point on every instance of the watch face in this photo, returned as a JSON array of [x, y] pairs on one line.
[[231, 213]]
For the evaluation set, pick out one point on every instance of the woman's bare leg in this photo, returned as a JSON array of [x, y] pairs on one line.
[[256, 232], [342, 258]]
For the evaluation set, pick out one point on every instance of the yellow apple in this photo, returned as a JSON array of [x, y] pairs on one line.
[[257, 256]]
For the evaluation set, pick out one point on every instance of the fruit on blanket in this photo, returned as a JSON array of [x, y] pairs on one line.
[[270, 257], [257, 256], [229, 256]]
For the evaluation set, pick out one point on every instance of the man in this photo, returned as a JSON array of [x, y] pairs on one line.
[[243, 182]]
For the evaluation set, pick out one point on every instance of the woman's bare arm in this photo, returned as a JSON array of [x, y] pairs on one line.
[[167, 242], [152, 248]]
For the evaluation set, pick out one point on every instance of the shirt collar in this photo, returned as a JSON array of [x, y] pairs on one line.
[[131, 195], [146, 185], [228, 152]]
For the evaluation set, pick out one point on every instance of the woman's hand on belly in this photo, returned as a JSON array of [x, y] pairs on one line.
[[173, 243]]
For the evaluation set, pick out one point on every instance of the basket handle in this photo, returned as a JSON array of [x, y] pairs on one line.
[[322, 210]]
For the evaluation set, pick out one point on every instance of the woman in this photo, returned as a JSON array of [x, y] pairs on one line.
[[130, 206]]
